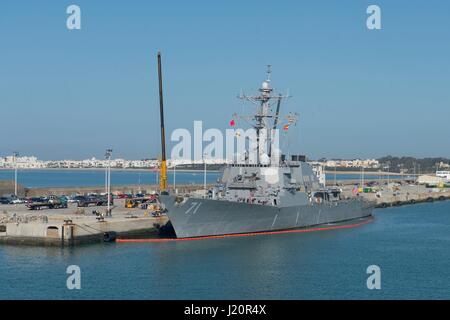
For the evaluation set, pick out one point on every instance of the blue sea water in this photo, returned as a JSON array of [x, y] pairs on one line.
[[88, 178], [42, 178], [410, 244]]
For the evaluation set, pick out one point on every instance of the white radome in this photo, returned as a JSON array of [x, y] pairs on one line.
[[265, 85]]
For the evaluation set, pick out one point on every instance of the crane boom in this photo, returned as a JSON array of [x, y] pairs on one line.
[[163, 166]]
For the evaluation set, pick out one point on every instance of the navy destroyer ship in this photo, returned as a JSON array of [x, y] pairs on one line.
[[273, 193]]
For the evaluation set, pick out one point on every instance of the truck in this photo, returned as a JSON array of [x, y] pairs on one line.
[[51, 202], [95, 201]]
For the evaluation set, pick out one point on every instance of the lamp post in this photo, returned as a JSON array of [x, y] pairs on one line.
[[418, 175], [15, 156], [139, 181], [335, 183], [204, 174], [108, 180], [174, 177], [362, 177], [388, 173]]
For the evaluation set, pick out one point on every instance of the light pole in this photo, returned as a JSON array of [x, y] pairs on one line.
[[157, 177], [108, 180], [414, 166], [418, 175], [139, 181], [388, 174], [335, 183], [174, 177], [204, 174], [15, 156], [362, 177], [106, 175]]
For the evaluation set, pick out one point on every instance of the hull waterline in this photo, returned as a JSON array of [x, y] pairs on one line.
[[205, 217]]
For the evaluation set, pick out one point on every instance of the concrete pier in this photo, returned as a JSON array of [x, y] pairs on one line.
[[393, 195], [74, 226]]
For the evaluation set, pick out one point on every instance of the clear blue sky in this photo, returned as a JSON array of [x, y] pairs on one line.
[[360, 93]]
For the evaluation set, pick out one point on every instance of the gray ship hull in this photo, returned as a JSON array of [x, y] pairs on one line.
[[205, 217]]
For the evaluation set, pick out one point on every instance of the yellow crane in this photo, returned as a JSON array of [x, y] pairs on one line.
[[163, 165]]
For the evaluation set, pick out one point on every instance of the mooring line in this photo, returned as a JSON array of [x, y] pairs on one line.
[[347, 226]]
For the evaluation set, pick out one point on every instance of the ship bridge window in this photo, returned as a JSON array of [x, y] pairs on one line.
[[321, 196], [318, 195]]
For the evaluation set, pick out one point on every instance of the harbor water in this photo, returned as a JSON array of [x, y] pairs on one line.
[[410, 244], [42, 178]]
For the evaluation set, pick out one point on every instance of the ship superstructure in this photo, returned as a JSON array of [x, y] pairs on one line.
[[262, 190]]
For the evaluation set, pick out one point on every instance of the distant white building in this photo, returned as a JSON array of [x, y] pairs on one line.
[[444, 175], [10, 162], [354, 163], [428, 179]]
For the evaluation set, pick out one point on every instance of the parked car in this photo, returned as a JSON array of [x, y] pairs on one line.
[[5, 200], [77, 199], [96, 201], [71, 200], [64, 198], [17, 201]]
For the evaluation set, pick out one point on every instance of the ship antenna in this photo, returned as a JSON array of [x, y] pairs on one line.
[[269, 72], [275, 122]]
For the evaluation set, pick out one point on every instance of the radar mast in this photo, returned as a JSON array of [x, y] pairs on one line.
[[264, 120]]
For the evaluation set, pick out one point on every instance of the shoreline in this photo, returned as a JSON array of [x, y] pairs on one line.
[[366, 173], [103, 169], [370, 173]]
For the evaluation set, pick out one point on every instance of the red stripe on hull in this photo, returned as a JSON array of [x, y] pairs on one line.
[[348, 226]]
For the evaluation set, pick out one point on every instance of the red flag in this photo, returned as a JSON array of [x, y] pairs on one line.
[[232, 123]]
